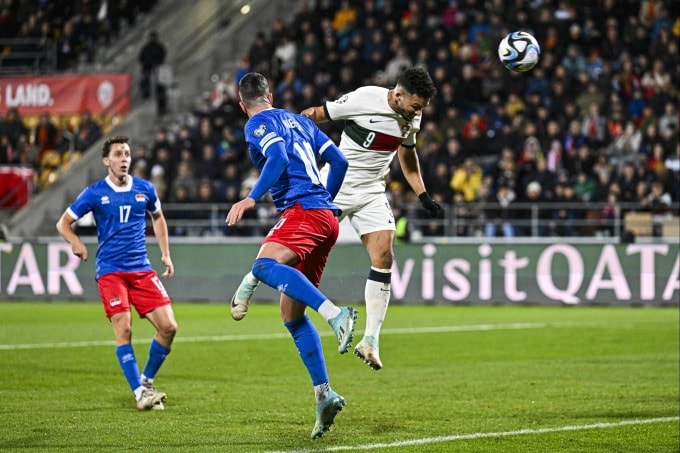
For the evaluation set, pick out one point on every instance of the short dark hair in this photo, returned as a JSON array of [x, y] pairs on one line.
[[417, 81], [253, 89], [106, 148]]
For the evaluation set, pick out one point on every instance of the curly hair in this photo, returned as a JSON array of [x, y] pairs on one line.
[[417, 81]]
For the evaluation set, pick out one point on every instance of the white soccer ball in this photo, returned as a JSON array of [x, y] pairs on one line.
[[519, 51]]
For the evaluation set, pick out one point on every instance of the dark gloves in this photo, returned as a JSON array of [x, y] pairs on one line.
[[432, 207]]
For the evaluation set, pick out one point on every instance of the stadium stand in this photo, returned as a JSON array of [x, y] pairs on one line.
[[594, 126]]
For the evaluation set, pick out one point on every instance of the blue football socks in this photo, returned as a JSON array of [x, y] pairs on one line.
[[289, 281], [157, 355], [308, 344], [128, 362]]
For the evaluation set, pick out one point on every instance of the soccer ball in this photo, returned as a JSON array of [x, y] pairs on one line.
[[519, 51]]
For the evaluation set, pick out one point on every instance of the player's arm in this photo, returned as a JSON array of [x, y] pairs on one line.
[[277, 161], [65, 228], [410, 166], [316, 114], [339, 165], [160, 230]]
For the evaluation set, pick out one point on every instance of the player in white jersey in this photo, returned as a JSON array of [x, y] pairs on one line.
[[379, 124]]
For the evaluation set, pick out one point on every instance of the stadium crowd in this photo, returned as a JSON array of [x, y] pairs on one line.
[[77, 29], [596, 121]]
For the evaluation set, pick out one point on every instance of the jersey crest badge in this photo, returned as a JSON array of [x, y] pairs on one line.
[[140, 197], [261, 129]]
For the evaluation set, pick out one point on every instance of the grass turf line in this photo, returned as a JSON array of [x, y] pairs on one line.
[[443, 377]]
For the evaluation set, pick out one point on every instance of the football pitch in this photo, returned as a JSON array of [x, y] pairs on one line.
[[455, 379]]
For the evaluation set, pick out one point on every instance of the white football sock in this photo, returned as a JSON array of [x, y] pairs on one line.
[[138, 392], [377, 296], [328, 310]]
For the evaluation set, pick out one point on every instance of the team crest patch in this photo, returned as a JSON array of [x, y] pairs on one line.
[[342, 100], [105, 199], [114, 302], [140, 197], [261, 129]]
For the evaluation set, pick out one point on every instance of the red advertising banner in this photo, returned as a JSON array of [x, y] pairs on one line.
[[16, 186], [66, 94]]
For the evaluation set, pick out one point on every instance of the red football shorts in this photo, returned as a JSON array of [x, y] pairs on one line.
[[311, 234], [143, 290]]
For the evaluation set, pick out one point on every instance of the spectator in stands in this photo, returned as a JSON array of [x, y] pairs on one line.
[[533, 215], [209, 165], [151, 56], [466, 179], [204, 134], [13, 126], [7, 154], [87, 132], [672, 163], [141, 161], [499, 218], [185, 177], [229, 184], [439, 182], [45, 134], [67, 47], [628, 52], [594, 125], [87, 32], [285, 54], [163, 166], [659, 202]]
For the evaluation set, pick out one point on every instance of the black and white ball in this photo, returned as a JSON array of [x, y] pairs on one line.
[[519, 51]]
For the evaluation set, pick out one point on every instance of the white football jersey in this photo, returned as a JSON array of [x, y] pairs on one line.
[[371, 136]]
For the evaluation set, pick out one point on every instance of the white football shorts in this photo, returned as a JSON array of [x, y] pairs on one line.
[[367, 212]]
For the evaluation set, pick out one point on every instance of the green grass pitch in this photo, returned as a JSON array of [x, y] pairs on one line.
[[456, 379]]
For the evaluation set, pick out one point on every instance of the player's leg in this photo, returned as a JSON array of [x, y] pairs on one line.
[[151, 300], [163, 319], [377, 293], [240, 301], [374, 222], [269, 267], [308, 344], [113, 289], [297, 234]]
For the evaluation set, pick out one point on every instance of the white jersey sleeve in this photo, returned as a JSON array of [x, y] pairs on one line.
[[371, 136]]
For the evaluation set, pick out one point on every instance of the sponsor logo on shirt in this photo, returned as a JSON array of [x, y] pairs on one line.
[[261, 129], [105, 199]]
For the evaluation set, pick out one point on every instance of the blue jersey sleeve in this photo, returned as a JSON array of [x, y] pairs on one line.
[[82, 205], [277, 160], [285, 147], [339, 164]]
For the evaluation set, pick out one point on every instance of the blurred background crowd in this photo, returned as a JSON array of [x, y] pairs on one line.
[[595, 122]]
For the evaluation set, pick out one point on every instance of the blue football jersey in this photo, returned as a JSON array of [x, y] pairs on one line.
[[300, 182], [120, 214]]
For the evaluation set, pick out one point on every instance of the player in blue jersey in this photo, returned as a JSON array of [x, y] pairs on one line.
[[285, 147], [379, 125], [124, 273]]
